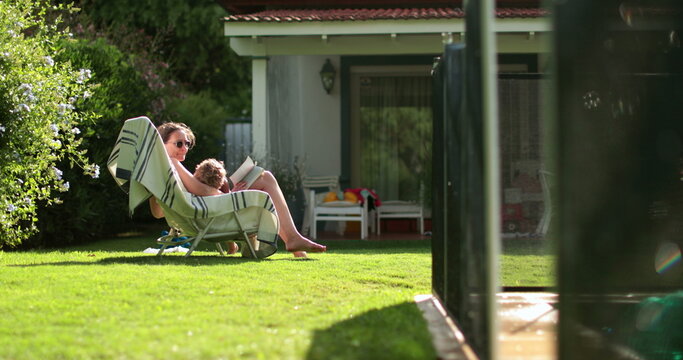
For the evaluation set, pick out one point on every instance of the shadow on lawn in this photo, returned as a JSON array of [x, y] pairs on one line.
[[193, 260], [395, 332], [137, 244]]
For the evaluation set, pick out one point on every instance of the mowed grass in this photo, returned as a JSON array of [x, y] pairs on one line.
[[109, 300], [527, 263]]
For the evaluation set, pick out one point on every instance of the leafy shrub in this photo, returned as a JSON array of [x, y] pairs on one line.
[[41, 109], [92, 209], [206, 119]]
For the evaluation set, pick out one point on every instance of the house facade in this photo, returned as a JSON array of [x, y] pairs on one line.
[[373, 126]]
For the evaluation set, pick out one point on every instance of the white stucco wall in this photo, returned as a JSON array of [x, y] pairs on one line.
[[303, 120]]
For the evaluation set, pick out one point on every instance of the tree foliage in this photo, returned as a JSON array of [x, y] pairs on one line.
[[41, 110], [189, 37], [207, 120]]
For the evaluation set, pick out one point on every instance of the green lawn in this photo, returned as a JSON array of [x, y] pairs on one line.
[[108, 300], [527, 262]]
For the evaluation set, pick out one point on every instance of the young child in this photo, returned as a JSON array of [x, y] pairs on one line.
[[212, 172]]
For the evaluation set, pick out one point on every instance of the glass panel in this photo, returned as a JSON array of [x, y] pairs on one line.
[[459, 200], [618, 153], [527, 259], [395, 124]]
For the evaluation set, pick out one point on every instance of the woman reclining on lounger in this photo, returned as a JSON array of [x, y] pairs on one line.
[[178, 139]]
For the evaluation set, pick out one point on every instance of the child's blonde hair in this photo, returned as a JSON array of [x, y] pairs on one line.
[[211, 172]]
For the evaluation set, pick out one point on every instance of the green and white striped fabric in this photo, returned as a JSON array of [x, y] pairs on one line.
[[139, 164]]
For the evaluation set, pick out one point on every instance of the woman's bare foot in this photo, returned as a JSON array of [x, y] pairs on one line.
[[300, 243], [233, 248]]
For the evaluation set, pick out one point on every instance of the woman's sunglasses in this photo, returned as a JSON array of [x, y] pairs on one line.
[[179, 144]]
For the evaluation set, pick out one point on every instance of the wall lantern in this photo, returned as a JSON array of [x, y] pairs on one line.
[[327, 75]]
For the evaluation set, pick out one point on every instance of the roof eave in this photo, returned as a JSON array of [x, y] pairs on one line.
[[376, 27]]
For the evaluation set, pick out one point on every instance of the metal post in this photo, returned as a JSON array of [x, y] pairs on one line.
[[491, 164]]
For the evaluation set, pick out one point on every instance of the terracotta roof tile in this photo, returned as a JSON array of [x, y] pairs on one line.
[[301, 15]]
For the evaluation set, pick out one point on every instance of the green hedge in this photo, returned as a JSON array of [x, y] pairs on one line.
[[95, 208]]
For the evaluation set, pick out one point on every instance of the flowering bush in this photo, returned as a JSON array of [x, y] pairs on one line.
[[92, 209], [39, 116]]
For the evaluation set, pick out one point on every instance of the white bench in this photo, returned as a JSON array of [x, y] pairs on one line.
[[397, 209]]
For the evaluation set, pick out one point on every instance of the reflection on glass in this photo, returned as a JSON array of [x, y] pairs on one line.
[[668, 258], [527, 259], [653, 329]]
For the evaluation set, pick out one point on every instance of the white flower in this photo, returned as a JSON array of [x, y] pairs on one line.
[[54, 129], [56, 144], [26, 88], [76, 131], [87, 94], [58, 173], [20, 181], [65, 187], [49, 61], [93, 171], [83, 74], [62, 108], [28, 201], [6, 54], [23, 107], [2, 129], [11, 33], [11, 207], [72, 100]]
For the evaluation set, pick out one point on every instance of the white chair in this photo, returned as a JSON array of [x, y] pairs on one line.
[[397, 209], [317, 210]]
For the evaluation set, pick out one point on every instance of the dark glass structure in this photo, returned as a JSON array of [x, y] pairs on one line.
[[458, 247], [617, 146], [464, 236]]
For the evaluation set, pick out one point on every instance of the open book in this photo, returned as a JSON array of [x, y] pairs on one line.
[[247, 173]]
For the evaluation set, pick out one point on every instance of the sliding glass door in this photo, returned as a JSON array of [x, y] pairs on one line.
[[391, 131]]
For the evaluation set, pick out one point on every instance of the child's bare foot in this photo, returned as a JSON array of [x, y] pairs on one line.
[[300, 254], [300, 243], [233, 248]]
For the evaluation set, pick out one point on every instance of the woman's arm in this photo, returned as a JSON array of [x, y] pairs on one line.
[[225, 186], [191, 183], [154, 207]]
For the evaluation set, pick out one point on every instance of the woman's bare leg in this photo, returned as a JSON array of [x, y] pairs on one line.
[[294, 241]]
